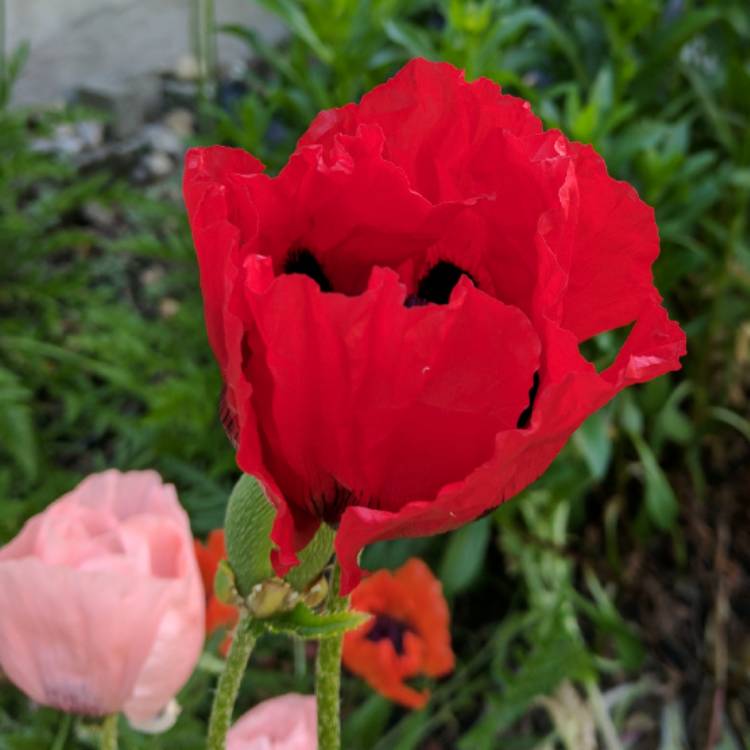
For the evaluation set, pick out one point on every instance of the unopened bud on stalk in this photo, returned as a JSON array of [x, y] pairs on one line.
[[317, 593], [270, 597]]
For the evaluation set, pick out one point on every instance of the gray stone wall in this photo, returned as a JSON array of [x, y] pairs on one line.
[[106, 42]]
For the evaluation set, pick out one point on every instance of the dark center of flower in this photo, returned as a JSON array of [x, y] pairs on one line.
[[437, 284], [304, 262], [525, 416], [330, 505], [389, 627]]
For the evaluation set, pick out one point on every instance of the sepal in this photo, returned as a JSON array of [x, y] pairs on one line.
[[303, 623]]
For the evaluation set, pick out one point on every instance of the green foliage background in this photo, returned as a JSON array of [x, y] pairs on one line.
[[95, 371]]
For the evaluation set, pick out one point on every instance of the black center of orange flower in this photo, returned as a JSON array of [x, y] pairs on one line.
[[437, 284], [304, 262], [525, 417], [389, 627]]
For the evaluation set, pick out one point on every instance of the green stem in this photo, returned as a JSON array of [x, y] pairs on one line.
[[204, 45], [328, 676], [243, 642], [61, 737], [109, 732]]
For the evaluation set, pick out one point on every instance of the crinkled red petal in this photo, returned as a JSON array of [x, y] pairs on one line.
[[572, 392], [433, 123], [375, 401]]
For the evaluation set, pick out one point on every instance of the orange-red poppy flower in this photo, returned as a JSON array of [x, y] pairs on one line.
[[408, 635], [218, 614]]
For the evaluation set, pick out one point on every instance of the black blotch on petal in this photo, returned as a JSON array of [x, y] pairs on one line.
[[437, 284], [330, 506], [304, 262], [525, 417], [389, 627]]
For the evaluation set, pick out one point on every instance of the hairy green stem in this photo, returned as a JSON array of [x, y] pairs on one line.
[[243, 642], [327, 690], [109, 732], [328, 676]]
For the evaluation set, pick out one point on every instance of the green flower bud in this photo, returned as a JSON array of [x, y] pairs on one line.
[[249, 519], [247, 531]]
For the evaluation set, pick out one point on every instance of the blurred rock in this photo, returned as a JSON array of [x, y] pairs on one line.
[[180, 121], [152, 276], [187, 69], [115, 156], [158, 164], [99, 215], [129, 105], [180, 93], [162, 139], [71, 138], [169, 307], [91, 133]]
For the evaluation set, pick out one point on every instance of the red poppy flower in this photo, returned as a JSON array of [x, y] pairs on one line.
[[218, 614], [408, 635], [398, 314]]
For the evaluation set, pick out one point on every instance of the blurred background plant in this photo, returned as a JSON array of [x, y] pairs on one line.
[[608, 606]]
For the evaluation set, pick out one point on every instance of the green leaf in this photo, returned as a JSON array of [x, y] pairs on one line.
[[367, 723], [17, 434], [631, 417], [410, 37], [302, 622], [661, 503], [550, 662], [464, 556], [594, 442], [299, 24], [740, 178], [728, 417], [671, 423], [603, 612]]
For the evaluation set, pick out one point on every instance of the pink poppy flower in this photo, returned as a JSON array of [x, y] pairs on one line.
[[101, 599], [287, 722]]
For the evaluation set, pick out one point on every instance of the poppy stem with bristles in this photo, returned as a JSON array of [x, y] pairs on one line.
[[109, 732], [328, 675], [243, 643]]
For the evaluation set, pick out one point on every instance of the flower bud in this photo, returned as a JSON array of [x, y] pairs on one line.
[[287, 722], [270, 597], [249, 520], [317, 593], [248, 534]]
